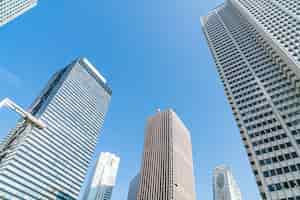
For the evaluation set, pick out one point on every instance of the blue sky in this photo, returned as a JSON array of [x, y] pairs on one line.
[[153, 54]]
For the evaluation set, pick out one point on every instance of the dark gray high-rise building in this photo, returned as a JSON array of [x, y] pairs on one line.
[[167, 166], [255, 44], [51, 162]]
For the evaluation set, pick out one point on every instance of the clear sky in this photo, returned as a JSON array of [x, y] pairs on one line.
[[153, 54]]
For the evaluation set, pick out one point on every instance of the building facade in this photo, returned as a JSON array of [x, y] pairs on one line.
[[10, 9], [52, 162], [104, 178], [133, 188], [224, 185], [255, 45], [167, 165]]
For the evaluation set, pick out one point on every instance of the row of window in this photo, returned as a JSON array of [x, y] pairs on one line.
[[264, 67], [237, 77], [262, 59], [259, 116], [263, 64], [248, 47], [273, 148], [249, 92], [258, 58], [278, 87], [220, 36], [293, 123], [270, 77], [286, 99], [282, 170], [265, 131], [275, 82], [279, 158], [240, 83], [236, 67], [220, 49], [224, 58], [289, 106], [269, 139], [251, 105], [284, 185], [291, 114], [249, 54], [261, 124], [257, 109], [282, 93], [230, 60], [251, 85]]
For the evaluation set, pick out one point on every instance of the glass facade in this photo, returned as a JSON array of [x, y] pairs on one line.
[[43, 163]]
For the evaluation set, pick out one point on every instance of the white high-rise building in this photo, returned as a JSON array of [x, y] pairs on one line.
[[224, 185], [256, 47], [10, 9], [104, 177]]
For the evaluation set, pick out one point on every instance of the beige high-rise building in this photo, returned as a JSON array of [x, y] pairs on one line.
[[167, 166]]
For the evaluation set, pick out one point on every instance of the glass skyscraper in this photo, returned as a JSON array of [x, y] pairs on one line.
[[224, 185], [51, 163], [256, 47], [104, 177], [10, 9]]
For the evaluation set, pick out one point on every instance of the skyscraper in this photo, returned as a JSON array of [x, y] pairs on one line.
[[52, 162], [133, 188], [255, 44], [10, 9], [104, 178], [167, 166], [224, 185]]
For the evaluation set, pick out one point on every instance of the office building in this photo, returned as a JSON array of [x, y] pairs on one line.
[[104, 178], [52, 161], [167, 164], [10, 9], [255, 45], [224, 185], [133, 188]]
